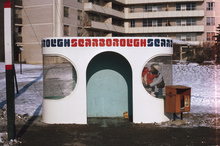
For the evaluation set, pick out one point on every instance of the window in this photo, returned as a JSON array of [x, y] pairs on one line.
[[79, 15], [159, 7], [80, 1], [183, 7], [94, 1], [193, 6], [152, 8], [154, 23], [147, 23], [66, 30], [186, 37], [60, 77], [132, 23], [66, 11], [193, 21], [94, 17], [190, 22], [183, 37], [149, 8], [191, 37], [210, 21], [159, 22], [178, 7], [145, 9], [79, 31], [152, 35], [18, 30], [178, 22], [132, 9], [18, 13], [209, 6], [190, 6], [184, 22], [95, 33], [209, 36]]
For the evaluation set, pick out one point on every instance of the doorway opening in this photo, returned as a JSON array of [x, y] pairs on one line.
[[109, 86]]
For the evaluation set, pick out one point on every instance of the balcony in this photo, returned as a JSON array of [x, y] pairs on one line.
[[166, 14], [103, 10], [18, 39], [18, 2], [18, 21], [105, 26], [157, 1], [166, 29]]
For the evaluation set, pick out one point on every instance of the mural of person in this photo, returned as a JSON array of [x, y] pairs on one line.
[[147, 76], [153, 80]]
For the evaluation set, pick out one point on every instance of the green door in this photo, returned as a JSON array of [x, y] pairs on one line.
[[109, 86]]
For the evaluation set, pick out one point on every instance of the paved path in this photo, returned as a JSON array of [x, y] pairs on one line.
[[101, 132]]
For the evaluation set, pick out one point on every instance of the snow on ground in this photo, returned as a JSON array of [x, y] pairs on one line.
[[204, 81], [30, 86]]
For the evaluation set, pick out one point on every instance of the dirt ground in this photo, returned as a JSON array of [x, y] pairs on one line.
[[117, 131]]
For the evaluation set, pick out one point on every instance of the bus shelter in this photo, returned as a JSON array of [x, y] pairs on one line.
[[105, 77]]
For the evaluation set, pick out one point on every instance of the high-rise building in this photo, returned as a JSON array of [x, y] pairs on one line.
[[192, 21], [185, 20]]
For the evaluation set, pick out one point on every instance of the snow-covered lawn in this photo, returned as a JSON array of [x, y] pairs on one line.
[[30, 86], [204, 81]]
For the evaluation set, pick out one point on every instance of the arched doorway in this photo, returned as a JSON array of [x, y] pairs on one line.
[[109, 86]]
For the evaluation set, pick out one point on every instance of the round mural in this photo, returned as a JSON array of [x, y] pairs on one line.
[[156, 74]]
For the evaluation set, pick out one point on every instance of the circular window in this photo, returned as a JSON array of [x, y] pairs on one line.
[[59, 77], [156, 74]]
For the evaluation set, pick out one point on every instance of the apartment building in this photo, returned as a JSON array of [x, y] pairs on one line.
[[191, 21], [50, 18], [185, 20]]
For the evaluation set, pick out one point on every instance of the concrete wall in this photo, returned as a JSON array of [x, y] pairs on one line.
[[37, 24]]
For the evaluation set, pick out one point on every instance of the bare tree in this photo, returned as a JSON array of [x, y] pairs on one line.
[[84, 22], [204, 52]]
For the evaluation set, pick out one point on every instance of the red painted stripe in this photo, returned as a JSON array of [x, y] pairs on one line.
[[8, 67], [7, 4]]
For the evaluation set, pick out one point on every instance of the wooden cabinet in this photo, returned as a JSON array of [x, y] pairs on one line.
[[178, 99]]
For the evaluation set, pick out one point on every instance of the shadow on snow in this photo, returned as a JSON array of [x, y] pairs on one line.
[[21, 91]]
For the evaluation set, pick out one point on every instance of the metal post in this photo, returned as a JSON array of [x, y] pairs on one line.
[[9, 62], [174, 116], [181, 115], [181, 53], [20, 63], [16, 83]]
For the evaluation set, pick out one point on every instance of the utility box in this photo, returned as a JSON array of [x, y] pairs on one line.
[[178, 99]]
